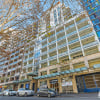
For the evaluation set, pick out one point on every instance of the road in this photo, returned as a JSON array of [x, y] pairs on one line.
[[45, 98]]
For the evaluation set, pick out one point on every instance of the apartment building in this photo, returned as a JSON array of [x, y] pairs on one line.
[[16, 68], [70, 52], [93, 9], [65, 55]]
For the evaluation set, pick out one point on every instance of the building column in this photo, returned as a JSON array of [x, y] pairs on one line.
[[86, 62], [48, 83], [60, 85], [74, 85]]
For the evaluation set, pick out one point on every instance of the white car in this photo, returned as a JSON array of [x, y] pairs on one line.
[[25, 92], [99, 94], [9, 92]]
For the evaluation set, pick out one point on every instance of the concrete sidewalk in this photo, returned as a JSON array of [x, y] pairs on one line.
[[80, 95]]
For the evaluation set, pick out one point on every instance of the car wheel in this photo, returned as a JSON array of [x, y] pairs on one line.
[[17, 94], [49, 95], [8, 94], [25, 95], [38, 95]]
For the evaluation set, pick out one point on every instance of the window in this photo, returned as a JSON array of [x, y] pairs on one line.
[[55, 17]]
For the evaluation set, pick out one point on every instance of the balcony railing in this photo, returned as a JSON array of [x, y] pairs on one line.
[[84, 27], [63, 54], [43, 53], [75, 50], [90, 44], [61, 31], [73, 41], [70, 26], [53, 57], [61, 46], [88, 35], [72, 33], [52, 42], [85, 19], [61, 38], [51, 50], [44, 60]]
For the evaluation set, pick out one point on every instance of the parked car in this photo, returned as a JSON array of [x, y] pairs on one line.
[[1, 93], [46, 92], [25, 92], [9, 92], [99, 94]]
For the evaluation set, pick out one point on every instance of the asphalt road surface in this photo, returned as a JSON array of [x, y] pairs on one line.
[[53, 98]]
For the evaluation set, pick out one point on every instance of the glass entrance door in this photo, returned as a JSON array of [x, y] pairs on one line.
[[54, 85]]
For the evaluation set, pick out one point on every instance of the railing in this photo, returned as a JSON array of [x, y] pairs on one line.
[[88, 35], [50, 50], [73, 41], [63, 45], [75, 50], [44, 60], [85, 19], [53, 57], [73, 25], [63, 54], [90, 44], [84, 27], [52, 42], [72, 33], [60, 32], [61, 38]]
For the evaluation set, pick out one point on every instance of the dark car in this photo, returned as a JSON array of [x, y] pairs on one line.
[[46, 92]]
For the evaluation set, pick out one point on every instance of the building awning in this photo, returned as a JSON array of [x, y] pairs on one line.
[[62, 73], [21, 81], [32, 73]]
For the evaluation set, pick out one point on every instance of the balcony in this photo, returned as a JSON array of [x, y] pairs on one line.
[[74, 41], [44, 60], [43, 53], [75, 50], [52, 42], [72, 33], [53, 57], [51, 50], [90, 44], [43, 40], [86, 36], [61, 31], [73, 25], [61, 46], [85, 27], [63, 54], [61, 38], [85, 19], [44, 46]]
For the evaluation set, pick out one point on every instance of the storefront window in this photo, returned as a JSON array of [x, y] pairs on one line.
[[43, 84], [67, 86]]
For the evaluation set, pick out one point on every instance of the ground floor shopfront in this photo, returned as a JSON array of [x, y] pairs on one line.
[[32, 84], [73, 83]]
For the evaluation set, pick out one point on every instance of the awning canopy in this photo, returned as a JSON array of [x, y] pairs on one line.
[[32, 73], [21, 81], [62, 73]]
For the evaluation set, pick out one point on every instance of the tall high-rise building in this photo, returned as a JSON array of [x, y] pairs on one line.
[[93, 9], [65, 55]]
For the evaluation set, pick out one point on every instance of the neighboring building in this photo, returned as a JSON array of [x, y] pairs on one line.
[[70, 52], [18, 67], [93, 9]]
